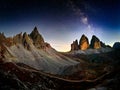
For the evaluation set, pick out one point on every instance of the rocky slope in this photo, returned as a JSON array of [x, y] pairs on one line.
[[19, 76], [31, 49]]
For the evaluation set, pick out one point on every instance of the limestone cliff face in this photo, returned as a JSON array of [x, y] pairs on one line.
[[37, 38], [83, 43], [95, 42]]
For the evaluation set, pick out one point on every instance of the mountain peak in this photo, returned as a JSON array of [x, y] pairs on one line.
[[35, 30], [83, 35], [83, 43], [95, 38], [95, 42], [37, 38]]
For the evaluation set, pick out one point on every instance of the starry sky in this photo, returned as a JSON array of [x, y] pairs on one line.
[[62, 21]]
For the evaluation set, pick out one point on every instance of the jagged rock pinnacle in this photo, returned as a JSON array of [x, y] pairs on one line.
[[37, 38], [83, 43]]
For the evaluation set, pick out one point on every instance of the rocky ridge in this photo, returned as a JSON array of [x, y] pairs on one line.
[[32, 50]]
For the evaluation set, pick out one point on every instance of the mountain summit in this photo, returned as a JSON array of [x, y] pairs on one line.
[[37, 38]]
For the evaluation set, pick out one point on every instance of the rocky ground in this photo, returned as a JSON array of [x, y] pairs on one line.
[[23, 77]]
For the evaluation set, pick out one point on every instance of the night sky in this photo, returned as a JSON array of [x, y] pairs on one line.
[[62, 21]]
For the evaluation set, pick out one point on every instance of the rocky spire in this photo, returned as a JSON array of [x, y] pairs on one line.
[[83, 43], [74, 45], [37, 38], [95, 42]]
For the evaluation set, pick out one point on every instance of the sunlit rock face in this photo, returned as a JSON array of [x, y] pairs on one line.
[[95, 42], [74, 45], [83, 43], [37, 38]]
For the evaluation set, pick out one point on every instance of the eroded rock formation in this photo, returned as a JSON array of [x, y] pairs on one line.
[[83, 43], [37, 38], [74, 45]]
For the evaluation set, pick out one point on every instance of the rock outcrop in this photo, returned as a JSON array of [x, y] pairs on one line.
[[74, 45], [37, 38], [83, 43], [27, 42], [95, 42], [116, 45], [18, 38], [24, 39]]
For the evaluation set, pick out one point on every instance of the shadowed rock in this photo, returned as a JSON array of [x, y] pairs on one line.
[[116, 45], [74, 45], [37, 38]]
